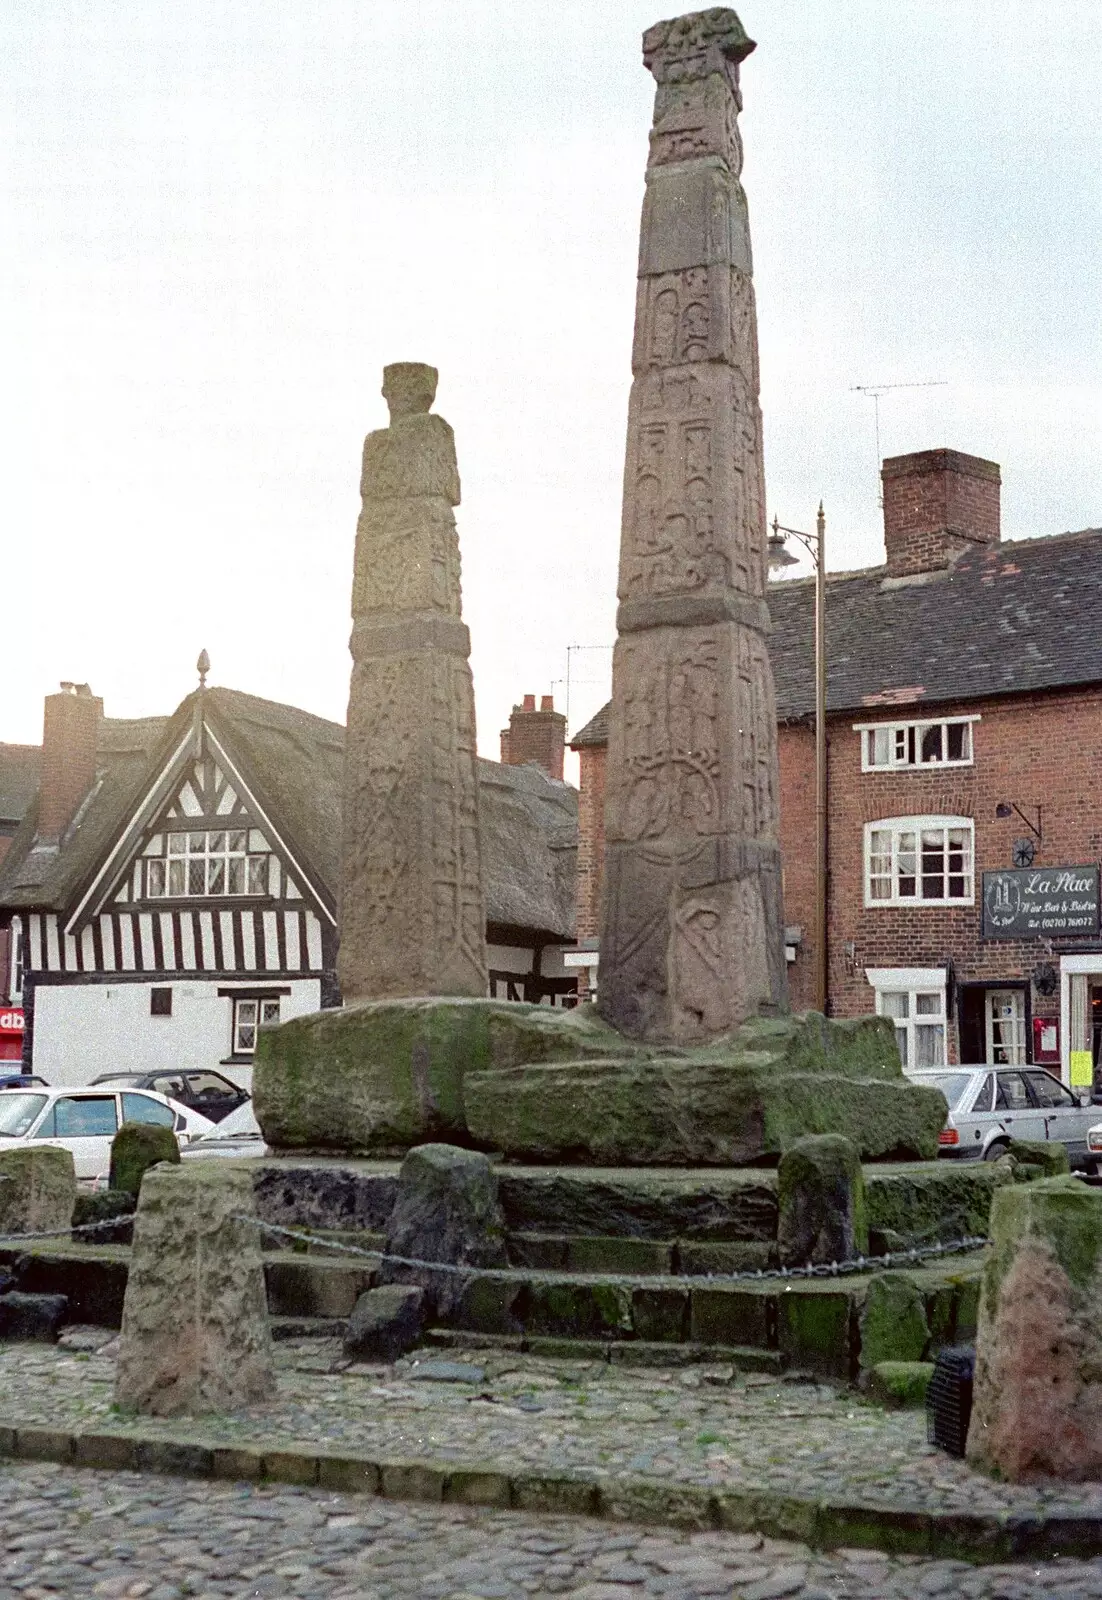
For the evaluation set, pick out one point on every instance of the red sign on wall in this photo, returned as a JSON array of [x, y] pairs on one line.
[[1046, 1041], [11, 1020]]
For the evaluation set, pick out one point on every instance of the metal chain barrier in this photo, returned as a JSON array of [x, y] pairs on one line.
[[832, 1269]]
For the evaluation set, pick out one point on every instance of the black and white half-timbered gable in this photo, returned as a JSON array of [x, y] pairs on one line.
[[172, 888]]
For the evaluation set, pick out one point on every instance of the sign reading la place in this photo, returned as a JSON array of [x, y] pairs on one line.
[[1052, 901]]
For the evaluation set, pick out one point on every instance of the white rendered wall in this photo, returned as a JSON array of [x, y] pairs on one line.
[[81, 1030]]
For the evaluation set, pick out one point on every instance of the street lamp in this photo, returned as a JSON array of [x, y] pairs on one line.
[[815, 545]]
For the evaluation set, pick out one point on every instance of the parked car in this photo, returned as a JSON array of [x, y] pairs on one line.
[[990, 1105], [206, 1092], [236, 1135], [86, 1120], [22, 1080]]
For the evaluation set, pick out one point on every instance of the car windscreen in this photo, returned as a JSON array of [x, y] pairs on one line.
[[951, 1084], [17, 1112]]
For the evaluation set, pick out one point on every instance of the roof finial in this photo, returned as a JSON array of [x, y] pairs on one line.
[[202, 667]]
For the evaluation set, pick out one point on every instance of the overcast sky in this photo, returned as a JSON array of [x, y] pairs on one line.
[[219, 221]]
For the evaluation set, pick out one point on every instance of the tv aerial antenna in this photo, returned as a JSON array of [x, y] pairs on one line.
[[875, 392]]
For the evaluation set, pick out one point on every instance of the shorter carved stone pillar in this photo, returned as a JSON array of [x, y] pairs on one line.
[[412, 912]]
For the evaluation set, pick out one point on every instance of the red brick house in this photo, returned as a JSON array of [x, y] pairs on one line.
[[965, 753]]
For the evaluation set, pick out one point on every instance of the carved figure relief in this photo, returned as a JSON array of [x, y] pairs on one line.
[[672, 745]]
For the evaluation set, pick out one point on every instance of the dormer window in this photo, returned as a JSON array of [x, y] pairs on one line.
[[222, 862], [888, 746]]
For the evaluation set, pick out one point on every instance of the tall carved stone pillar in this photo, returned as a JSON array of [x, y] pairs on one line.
[[412, 913], [691, 936]]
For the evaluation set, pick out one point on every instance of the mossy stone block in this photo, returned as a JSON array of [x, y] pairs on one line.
[[900, 1384], [696, 1109], [386, 1075], [618, 1255], [135, 1148], [893, 1321], [661, 1314], [575, 1310], [1050, 1157], [918, 1203], [816, 1328], [733, 1316], [821, 1200], [704, 1258]]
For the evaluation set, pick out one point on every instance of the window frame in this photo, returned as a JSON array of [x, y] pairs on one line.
[[915, 726], [914, 981], [918, 825], [161, 864], [260, 997]]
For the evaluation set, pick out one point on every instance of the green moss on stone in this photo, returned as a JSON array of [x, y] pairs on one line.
[[893, 1321], [821, 1201], [815, 1328], [1063, 1215], [900, 1383], [385, 1075], [1050, 1158], [935, 1200], [135, 1148]]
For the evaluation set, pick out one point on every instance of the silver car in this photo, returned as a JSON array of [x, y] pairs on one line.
[[990, 1105]]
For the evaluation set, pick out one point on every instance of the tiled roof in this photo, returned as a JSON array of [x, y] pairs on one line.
[[294, 761], [1013, 618]]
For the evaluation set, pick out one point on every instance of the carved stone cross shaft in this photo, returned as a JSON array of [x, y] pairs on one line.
[[412, 913], [691, 936]]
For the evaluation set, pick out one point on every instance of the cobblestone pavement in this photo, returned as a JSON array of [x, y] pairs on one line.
[[700, 1425], [119, 1535]]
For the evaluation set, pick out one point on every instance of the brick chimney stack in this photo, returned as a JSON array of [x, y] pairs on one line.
[[532, 735], [70, 727], [936, 504]]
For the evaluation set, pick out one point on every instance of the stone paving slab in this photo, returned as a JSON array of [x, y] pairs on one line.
[[693, 1446]]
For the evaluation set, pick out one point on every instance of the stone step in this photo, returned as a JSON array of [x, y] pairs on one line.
[[629, 1353], [307, 1327], [805, 1324]]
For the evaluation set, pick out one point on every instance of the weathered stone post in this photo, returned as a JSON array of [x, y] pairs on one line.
[[691, 934], [1039, 1342], [195, 1334], [412, 914]]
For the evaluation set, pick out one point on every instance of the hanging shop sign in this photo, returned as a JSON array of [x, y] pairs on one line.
[[1051, 902]]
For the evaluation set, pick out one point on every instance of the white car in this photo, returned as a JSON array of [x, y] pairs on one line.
[[236, 1135], [86, 1120]]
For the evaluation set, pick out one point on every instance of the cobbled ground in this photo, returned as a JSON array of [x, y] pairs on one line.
[[128, 1536], [123, 1536], [701, 1425]]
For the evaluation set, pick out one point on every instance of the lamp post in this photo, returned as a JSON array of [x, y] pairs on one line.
[[815, 545]]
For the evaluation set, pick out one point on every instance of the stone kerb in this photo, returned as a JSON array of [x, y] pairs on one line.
[[38, 1190], [195, 1333], [1036, 1408]]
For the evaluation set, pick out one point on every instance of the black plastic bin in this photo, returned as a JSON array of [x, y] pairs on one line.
[[949, 1398]]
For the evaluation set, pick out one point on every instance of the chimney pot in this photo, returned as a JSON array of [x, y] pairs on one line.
[[547, 702], [529, 702]]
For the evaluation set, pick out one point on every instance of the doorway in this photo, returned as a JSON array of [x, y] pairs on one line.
[[994, 1023]]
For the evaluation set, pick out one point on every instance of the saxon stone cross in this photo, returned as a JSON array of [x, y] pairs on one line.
[[691, 935], [412, 913]]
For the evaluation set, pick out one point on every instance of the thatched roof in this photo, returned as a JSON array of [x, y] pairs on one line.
[[293, 763]]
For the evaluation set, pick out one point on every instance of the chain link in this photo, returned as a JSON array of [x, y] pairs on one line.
[[831, 1269]]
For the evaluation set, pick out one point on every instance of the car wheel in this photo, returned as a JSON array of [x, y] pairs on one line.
[[996, 1150]]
